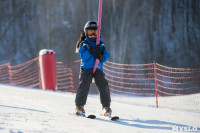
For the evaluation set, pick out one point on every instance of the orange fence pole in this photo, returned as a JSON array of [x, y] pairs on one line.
[[155, 74], [10, 74], [72, 83]]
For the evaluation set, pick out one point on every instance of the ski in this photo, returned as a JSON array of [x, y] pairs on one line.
[[91, 116], [112, 118], [87, 116]]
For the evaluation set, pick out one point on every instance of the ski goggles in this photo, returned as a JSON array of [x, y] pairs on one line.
[[90, 32]]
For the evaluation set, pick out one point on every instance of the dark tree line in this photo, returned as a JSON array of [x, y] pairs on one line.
[[134, 31]]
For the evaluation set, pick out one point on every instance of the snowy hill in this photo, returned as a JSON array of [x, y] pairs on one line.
[[31, 110]]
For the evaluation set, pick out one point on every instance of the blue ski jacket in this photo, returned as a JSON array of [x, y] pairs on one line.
[[88, 60]]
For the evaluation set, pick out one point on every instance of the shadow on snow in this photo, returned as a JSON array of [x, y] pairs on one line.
[[146, 124], [23, 108]]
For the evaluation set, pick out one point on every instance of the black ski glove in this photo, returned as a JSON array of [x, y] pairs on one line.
[[97, 50], [99, 56], [91, 50]]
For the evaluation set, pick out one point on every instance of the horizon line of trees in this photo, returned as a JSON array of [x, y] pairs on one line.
[[134, 32]]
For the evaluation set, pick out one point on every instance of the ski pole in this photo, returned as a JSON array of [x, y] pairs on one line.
[[98, 31]]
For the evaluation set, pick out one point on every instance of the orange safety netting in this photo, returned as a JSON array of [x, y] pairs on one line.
[[64, 78], [141, 79], [4, 73], [27, 75], [152, 81], [130, 79], [177, 81]]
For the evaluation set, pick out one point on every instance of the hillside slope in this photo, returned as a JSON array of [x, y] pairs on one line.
[[31, 110]]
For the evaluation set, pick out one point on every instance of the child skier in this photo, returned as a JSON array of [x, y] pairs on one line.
[[89, 52]]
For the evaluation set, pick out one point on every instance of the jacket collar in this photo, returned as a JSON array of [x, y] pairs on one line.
[[91, 43]]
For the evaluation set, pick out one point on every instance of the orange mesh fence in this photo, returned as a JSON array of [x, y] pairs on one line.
[[145, 79], [140, 79], [177, 81], [4, 73], [64, 78], [130, 79], [27, 75], [166, 86]]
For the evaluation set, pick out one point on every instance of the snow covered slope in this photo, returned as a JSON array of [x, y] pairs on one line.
[[31, 110]]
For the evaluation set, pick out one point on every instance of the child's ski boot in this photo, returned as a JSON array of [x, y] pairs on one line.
[[80, 110], [108, 114], [107, 111]]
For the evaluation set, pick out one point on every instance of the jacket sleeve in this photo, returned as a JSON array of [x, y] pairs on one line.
[[83, 53], [106, 55]]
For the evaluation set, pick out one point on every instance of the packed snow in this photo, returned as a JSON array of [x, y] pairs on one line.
[[25, 110]]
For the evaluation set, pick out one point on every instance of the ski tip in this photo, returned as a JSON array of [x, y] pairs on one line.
[[91, 116], [114, 118]]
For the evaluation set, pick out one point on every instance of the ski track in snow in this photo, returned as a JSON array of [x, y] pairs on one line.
[[24, 110]]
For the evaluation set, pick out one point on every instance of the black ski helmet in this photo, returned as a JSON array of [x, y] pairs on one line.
[[90, 25]]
